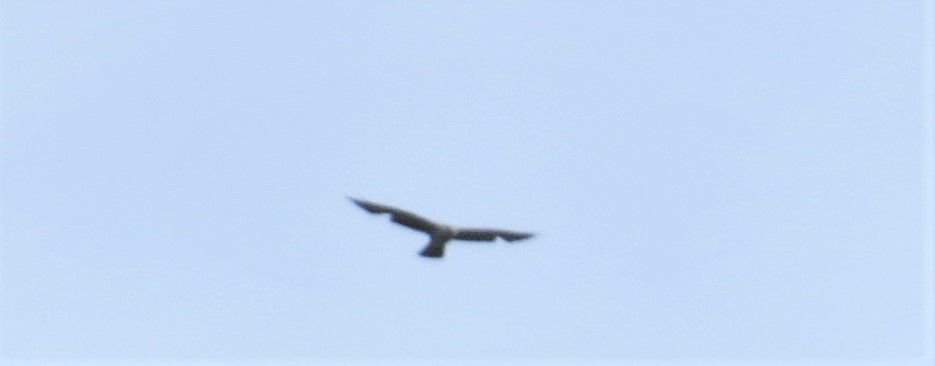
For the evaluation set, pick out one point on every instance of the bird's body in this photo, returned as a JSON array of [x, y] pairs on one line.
[[436, 246], [440, 233]]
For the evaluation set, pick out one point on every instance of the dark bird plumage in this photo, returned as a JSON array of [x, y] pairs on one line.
[[440, 233]]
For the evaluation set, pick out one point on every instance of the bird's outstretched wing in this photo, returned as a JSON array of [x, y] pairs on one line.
[[399, 216], [490, 235]]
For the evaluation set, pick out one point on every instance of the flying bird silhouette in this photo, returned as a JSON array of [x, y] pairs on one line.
[[440, 233]]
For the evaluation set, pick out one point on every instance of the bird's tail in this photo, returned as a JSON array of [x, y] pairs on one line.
[[433, 250]]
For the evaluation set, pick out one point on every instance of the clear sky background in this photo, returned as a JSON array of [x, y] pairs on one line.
[[710, 180]]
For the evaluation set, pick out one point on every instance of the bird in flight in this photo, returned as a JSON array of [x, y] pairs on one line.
[[439, 233]]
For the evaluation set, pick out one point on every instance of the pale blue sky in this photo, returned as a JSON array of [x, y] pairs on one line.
[[711, 180]]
